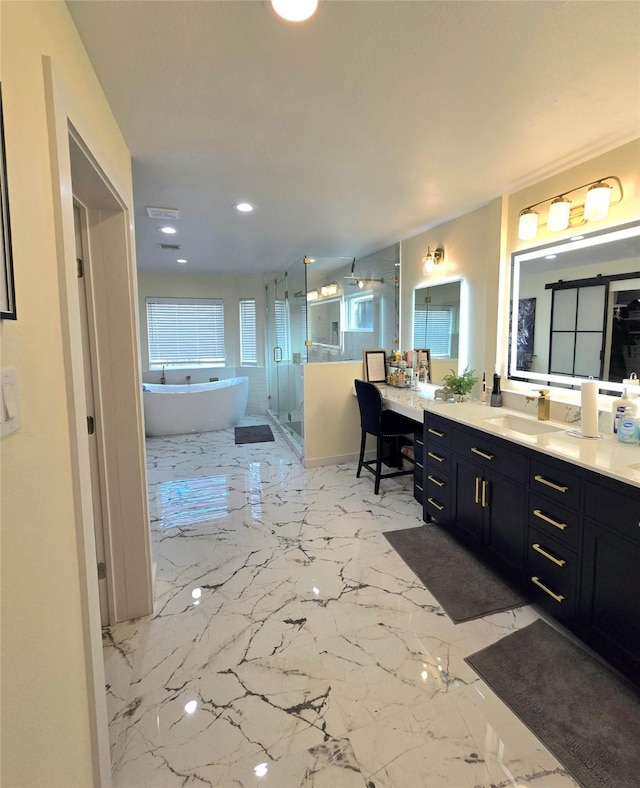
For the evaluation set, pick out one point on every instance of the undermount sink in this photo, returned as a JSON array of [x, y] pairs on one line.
[[523, 426]]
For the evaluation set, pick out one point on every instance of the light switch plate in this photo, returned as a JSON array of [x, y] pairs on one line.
[[9, 401]]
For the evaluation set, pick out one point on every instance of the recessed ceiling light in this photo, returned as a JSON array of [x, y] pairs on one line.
[[243, 207], [576, 238], [550, 257], [295, 10], [168, 230], [181, 260]]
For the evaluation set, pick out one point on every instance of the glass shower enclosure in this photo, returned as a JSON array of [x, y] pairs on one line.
[[287, 349]]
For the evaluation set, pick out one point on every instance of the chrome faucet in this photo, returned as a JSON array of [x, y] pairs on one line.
[[163, 380]]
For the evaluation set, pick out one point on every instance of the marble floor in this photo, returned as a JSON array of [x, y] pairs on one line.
[[290, 645]]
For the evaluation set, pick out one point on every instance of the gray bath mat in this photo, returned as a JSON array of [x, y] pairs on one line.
[[464, 586], [260, 433], [581, 710]]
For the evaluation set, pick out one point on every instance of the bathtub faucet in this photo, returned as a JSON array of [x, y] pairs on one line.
[[163, 380]]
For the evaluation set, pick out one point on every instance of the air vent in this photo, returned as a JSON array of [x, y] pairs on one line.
[[170, 247], [163, 213]]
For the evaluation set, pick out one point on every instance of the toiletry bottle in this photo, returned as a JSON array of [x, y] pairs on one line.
[[483, 395], [627, 430], [618, 408], [496, 394]]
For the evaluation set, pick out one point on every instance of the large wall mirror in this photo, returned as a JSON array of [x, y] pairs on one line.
[[575, 309], [436, 319]]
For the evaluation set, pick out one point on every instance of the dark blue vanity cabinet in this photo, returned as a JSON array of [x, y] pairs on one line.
[[437, 469], [609, 603], [570, 537], [418, 468], [489, 475]]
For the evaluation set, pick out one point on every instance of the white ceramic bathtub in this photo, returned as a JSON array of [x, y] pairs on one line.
[[196, 407]]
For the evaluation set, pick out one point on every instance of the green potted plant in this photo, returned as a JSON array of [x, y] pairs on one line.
[[461, 385]]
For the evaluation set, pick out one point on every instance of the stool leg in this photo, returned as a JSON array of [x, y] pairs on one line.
[[363, 441], [378, 464]]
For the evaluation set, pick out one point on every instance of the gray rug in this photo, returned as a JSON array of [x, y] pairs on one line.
[[579, 709], [260, 433], [463, 585]]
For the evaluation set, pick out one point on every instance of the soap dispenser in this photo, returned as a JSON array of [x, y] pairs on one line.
[[496, 394]]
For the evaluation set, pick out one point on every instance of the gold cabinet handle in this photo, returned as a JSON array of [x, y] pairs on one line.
[[436, 504], [435, 457], [482, 454], [477, 489], [557, 597], [435, 432], [547, 519], [559, 487], [435, 481], [484, 493], [542, 551]]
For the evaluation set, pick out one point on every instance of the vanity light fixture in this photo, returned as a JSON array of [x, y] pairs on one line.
[[432, 258], [313, 295], [329, 290], [295, 10], [563, 214]]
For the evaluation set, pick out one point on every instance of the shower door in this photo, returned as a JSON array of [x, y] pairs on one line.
[[286, 332]]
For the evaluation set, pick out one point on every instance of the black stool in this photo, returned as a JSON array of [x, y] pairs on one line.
[[382, 424]]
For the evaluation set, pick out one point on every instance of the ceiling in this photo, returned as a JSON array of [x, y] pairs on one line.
[[369, 123]]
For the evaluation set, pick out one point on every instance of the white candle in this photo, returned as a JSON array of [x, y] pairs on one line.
[[589, 408]]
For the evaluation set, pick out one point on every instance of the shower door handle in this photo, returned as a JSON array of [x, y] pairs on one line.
[[277, 354]]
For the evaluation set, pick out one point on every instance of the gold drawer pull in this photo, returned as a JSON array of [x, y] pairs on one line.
[[435, 481], [484, 493], [558, 561], [559, 487], [436, 433], [435, 456], [481, 453], [434, 503], [477, 487], [544, 517], [557, 597]]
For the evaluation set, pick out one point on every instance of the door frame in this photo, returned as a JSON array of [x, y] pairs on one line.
[[119, 388]]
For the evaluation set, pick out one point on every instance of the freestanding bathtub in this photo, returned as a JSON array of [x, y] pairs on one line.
[[195, 407]]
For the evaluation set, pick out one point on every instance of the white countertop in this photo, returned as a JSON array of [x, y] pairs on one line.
[[603, 455]]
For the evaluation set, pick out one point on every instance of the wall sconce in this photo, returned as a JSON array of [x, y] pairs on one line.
[[313, 295], [432, 258], [562, 214], [329, 290]]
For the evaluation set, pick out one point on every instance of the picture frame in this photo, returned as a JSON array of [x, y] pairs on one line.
[[7, 292], [375, 366], [423, 354]]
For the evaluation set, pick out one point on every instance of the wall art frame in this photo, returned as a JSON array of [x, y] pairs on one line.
[[7, 288], [375, 365]]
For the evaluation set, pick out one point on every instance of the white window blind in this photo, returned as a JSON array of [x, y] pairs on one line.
[[432, 329], [185, 331], [248, 333], [283, 328]]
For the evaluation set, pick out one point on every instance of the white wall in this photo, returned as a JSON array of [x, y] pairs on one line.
[[472, 253], [48, 718]]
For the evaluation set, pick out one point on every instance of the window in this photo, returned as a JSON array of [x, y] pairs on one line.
[[433, 329], [185, 332], [360, 312], [248, 333]]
